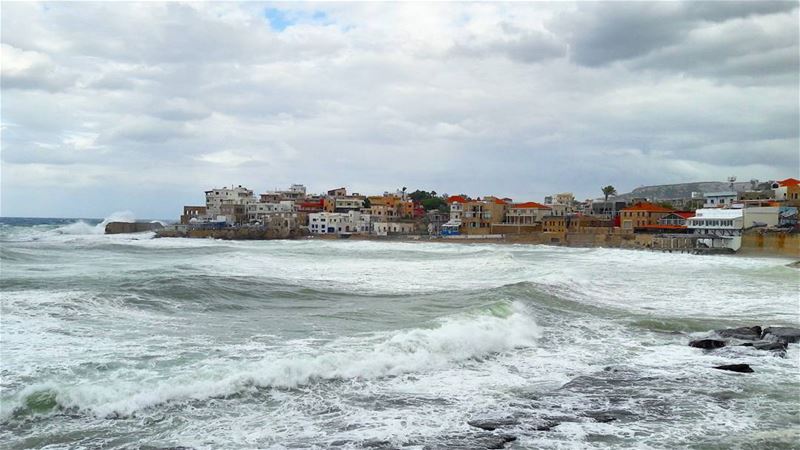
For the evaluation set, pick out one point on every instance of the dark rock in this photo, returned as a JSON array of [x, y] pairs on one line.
[[744, 333], [131, 227], [741, 368], [609, 415], [707, 344], [546, 426], [477, 441], [378, 444], [785, 334], [492, 424], [770, 345], [494, 441]]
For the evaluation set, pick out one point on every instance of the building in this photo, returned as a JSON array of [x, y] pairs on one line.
[[554, 224], [676, 218], [346, 204], [256, 212], [295, 192], [390, 207], [641, 215], [352, 222], [718, 199], [788, 190], [603, 208], [561, 204], [479, 215], [193, 214], [338, 192], [528, 213], [764, 216], [311, 206], [588, 224], [232, 214], [435, 220], [717, 227], [388, 228], [453, 226], [215, 198]]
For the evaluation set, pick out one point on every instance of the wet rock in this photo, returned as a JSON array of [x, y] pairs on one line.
[[785, 334], [741, 368], [609, 415], [707, 344], [743, 333], [493, 424], [546, 426], [472, 441], [378, 444], [493, 441], [770, 345]]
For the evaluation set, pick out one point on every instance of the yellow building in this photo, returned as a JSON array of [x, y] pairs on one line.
[[554, 224], [641, 215], [479, 215]]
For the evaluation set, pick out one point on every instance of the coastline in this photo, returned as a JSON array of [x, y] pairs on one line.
[[525, 239]]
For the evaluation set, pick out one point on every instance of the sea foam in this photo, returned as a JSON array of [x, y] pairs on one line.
[[455, 340]]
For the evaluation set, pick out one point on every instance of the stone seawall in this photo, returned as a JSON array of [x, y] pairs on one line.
[[772, 244], [232, 234], [131, 227]]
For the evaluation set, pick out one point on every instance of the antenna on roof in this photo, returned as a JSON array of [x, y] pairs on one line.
[[731, 180]]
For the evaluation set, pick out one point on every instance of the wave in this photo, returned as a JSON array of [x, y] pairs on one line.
[[492, 330], [82, 228]]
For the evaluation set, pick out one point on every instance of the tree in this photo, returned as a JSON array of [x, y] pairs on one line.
[[433, 203], [366, 203], [608, 191], [419, 196]]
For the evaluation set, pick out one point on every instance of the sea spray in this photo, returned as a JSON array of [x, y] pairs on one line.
[[83, 228]]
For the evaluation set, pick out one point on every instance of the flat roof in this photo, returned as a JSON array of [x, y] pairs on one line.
[[717, 213]]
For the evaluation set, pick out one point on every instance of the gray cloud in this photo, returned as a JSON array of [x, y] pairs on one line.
[[605, 33], [100, 100]]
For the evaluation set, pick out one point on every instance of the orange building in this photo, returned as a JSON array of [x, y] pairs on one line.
[[641, 215]]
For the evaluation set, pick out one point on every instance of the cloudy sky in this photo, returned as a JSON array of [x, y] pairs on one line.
[[141, 107]]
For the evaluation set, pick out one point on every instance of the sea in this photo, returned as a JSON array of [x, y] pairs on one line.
[[134, 342]]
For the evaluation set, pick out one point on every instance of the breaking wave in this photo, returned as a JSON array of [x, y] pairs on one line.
[[496, 329], [82, 227]]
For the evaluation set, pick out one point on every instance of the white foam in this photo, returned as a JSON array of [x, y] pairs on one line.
[[416, 350], [82, 228]]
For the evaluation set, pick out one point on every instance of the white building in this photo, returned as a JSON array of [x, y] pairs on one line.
[[215, 198], [352, 222], [343, 204], [257, 211], [761, 216], [456, 215], [387, 228], [717, 199], [718, 227]]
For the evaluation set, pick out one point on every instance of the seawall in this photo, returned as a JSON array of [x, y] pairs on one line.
[[771, 244], [131, 227], [232, 234]]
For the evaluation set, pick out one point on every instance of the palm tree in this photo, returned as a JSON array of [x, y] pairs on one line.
[[608, 191]]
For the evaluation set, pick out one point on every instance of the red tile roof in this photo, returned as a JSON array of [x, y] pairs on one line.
[[497, 201], [456, 199], [530, 205], [645, 206], [684, 214], [789, 182]]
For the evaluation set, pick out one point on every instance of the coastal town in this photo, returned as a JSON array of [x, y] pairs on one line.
[[667, 218]]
